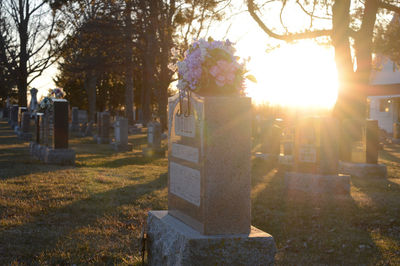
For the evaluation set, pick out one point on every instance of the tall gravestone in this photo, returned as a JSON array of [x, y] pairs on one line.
[[24, 132], [208, 219], [59, 153], [316, 158], [121, 135]]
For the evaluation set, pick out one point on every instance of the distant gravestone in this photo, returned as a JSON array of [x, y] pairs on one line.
[[153, 140], [24, 132], [21, 110], [366, 163], [33, 103], [104, 137], [121, 135], [316, 158], [209, 188]]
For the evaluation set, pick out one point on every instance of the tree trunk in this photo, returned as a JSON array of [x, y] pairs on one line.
[[23, 55], [344, 107], [363, 51], [129, 100]]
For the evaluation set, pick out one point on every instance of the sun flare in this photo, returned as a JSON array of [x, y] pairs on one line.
[[302, 75]]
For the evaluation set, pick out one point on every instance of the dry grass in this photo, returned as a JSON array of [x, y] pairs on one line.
[[93, 213]]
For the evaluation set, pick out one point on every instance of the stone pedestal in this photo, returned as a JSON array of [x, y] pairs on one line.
[[363, 169], [317, 183], [171, 242]]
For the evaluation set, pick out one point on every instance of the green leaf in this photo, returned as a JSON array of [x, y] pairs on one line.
[[251, 78]]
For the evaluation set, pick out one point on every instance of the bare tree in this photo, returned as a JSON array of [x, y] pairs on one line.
[[31, 24]]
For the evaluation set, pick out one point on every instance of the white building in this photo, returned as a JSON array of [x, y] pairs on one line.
[[384, 96]]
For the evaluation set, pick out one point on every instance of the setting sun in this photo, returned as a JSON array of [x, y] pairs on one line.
[[302, 75]]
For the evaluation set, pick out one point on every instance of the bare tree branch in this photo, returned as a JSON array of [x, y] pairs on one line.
[[390, 7], [285, 37]]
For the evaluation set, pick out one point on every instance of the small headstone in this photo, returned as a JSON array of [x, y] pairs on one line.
[[153, 140], [121, 135]]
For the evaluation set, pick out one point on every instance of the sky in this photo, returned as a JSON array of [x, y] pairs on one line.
[[302, 74]]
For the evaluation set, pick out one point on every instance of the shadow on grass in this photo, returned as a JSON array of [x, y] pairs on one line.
[[51, 227], [312, 229]]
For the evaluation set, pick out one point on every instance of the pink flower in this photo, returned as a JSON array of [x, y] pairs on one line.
[[214, 71]]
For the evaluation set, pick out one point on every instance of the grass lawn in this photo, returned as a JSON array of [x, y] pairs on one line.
[[93, 213]]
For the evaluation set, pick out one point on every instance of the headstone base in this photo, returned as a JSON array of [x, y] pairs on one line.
[[152, 152], [171, 242], [101, 140], [363, 169], [121, 147], [24, 135], [317, 183], [59, 156], [38, 151]]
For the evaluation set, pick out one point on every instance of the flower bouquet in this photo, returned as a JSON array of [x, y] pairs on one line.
[[45, 105], [210, 68]]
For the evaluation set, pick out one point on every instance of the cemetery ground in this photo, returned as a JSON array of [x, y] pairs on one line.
[[93, 213]]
